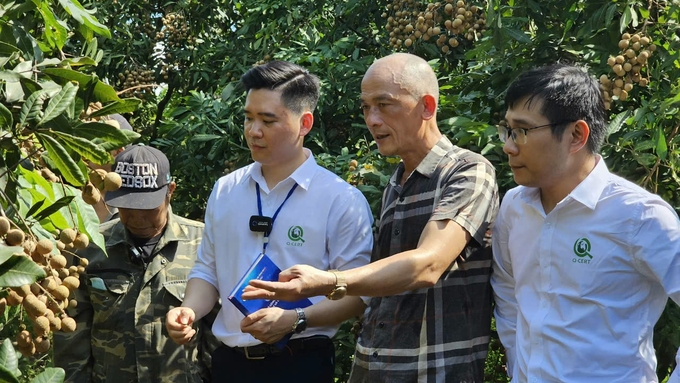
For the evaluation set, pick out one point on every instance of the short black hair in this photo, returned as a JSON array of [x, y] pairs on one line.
[[299, 88], [568, 93]]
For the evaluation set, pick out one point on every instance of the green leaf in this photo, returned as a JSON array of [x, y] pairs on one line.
[[200, 138], [102, 92], [7, 49], [6, 252], [123, 106], [31, 108], [63, 161], [19, 270], [58, 104], [78, 61], [55, 32], [516, 34], [84, 147], [6, 376], [661, 145], [106, 132], [86, 217], [8, 359], [36, 206], [61, 202], [626, 18], [646, 159], [9, 76], [82, 16], [617, 122], [50, 375], [6, 119]]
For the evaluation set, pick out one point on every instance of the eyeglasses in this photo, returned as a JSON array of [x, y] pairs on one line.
[[519, 135]]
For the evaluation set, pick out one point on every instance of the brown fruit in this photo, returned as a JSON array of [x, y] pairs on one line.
[[71, 283], [91, 195], [34, 306], [24, 338], [82, 241], [113, 123], [68, 324], [42, 325], [15, 237], [61, 293], [55, 322], [58, 261], [96, 176], [63, 273], [49, 283], [3, 306], [623, 44], [84, 262], [44, 246], [67, 236], [72, 303], [29, 246], [23, 290], [14, 299], [49, 175], [60, 245], [35, 289], [80, 269], [112, 181], [42, 344], [4, 226], [27, 351]]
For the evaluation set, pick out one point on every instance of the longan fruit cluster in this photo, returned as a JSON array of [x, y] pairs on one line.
[[135, 77], [176, 32], [100, 181], [46, 300], [448, 23], [627, 66]]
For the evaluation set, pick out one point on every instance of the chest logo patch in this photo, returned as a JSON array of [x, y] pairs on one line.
[[582, 249], [295, 234]]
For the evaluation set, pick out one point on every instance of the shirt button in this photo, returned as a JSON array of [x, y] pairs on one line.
[[163, 261], [381, 324], [375, 354], [401, 199], [397, 232]]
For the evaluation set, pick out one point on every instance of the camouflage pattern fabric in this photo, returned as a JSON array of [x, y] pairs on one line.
[[122, 302]]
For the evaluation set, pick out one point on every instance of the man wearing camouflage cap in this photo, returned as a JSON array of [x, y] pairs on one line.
[[123, 298]]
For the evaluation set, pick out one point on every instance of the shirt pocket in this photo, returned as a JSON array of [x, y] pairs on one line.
[[174, 292], [107, 291]]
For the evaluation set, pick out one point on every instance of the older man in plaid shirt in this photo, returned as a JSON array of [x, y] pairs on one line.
[[430, 316]]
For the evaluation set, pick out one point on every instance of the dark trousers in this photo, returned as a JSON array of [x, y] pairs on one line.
[[296, 363]]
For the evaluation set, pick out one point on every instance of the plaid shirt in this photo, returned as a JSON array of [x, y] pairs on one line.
[[437, 334]]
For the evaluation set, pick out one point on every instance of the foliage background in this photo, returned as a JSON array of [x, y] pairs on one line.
[[183, 59]]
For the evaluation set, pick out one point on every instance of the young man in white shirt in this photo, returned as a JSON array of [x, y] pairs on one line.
[[314, 218], [584, 261]]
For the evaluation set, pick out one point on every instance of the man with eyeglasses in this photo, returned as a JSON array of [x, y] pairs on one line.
[[584, 261]]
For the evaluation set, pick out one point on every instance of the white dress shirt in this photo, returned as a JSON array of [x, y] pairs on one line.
[[579, 290], [335, 221]]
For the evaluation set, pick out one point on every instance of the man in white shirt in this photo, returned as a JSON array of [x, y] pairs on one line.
[[584, 261], [310, 216]]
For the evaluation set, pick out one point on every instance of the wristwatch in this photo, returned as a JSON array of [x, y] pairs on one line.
[[340, 289], [300, 324]]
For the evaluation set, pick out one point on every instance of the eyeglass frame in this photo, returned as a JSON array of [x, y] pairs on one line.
[[505, 131]]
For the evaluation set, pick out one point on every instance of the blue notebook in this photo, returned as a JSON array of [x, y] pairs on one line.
[[264, 269]]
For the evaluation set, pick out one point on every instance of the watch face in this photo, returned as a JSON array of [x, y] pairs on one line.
[[301, 326], [338, 293]]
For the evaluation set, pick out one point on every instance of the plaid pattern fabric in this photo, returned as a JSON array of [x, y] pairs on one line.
[[437, 334]]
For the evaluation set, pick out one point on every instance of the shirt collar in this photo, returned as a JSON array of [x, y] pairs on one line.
[[302, 175], [587, 192], [429, 164], [173, 232]]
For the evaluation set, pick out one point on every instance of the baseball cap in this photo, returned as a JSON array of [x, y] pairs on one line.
[[145, 172]]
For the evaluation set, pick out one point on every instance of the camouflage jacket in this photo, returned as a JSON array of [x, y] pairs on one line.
[[122, 302]]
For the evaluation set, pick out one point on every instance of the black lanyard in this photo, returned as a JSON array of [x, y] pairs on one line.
[[259, 211]]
